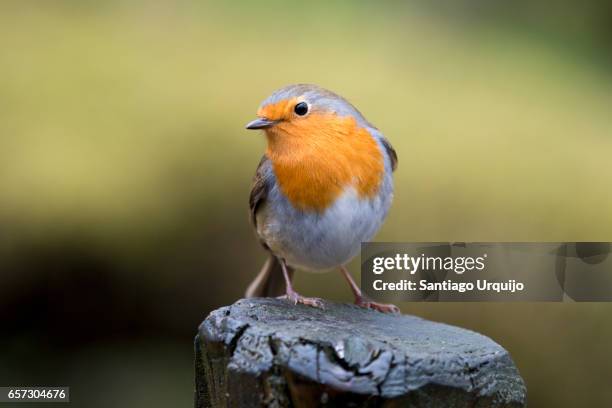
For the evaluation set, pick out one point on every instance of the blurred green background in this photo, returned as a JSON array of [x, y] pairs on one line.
[[125, 170]]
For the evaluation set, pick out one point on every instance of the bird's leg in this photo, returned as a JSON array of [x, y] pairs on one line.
[[362, 300], [292, 295]]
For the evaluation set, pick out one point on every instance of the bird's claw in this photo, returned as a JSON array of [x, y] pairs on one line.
[[296, 298], [381, 307]]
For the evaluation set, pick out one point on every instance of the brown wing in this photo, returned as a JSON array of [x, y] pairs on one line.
[[391, 152], [259, 190], [270, 281]]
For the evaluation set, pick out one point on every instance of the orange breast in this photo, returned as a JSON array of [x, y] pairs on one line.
[[317, 158]]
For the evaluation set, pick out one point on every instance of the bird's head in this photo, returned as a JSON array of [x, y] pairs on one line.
[[303, 112]]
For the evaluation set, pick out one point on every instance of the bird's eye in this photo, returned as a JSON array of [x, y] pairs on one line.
[[301, 108]]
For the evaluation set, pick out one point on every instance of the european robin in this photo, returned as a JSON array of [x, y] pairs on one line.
[[323, 186]]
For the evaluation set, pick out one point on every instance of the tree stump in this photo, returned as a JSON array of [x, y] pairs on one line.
[[269, 352]]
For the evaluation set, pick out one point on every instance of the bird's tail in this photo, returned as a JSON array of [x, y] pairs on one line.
[[270, 281]]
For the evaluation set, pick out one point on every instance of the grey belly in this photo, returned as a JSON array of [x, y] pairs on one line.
[[319, 242]]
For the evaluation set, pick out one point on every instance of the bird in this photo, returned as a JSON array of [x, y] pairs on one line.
[[323, 186]]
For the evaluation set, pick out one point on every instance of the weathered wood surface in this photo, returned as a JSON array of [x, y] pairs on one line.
[[268, 352]]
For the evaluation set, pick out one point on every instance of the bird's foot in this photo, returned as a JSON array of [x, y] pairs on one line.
[[381, 307], [296, 298]]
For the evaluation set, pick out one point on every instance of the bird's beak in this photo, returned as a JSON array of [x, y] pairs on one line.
[[260, 123]]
